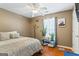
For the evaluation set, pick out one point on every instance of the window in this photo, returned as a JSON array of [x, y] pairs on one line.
[[50, 26]]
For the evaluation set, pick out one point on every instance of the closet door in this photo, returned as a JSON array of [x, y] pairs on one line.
[[75, 30]]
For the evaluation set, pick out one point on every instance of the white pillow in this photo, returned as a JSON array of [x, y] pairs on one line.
[[12, 32], [4, 36], [14, 35]]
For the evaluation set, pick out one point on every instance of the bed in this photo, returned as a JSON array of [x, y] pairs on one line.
[[22, 46]]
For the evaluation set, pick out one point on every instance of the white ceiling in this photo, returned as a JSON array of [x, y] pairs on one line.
[[22, 9]]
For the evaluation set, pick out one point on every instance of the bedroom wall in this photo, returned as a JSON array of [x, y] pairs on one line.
[[13, 22], [64, 35]]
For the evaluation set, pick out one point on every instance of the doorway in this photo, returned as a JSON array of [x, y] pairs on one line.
[[50, 31]]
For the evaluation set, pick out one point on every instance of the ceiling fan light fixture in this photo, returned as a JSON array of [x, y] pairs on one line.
[[35, 11]]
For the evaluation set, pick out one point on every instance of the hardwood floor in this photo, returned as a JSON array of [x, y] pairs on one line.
[[48, 51]]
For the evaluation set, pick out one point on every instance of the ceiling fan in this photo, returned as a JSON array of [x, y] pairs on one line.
[[37, 8]]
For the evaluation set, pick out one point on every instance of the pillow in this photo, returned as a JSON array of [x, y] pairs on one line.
[[4, 36], [12, 32], [14, 35]]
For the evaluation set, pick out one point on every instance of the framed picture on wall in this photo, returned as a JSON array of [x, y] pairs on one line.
[[61, 22]]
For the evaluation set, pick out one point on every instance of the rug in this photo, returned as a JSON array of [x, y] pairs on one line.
[[67, 53]]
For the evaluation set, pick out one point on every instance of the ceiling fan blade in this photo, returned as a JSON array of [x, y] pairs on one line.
[[44, 8]]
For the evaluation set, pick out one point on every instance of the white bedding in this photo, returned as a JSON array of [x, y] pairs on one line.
[[23, 46]]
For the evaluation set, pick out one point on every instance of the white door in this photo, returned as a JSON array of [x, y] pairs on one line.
[[75, 35]]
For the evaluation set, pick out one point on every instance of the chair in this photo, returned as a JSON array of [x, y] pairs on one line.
[[49, 42]]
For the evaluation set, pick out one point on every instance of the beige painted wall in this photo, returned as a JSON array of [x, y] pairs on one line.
[[13, 22], [64, 35]]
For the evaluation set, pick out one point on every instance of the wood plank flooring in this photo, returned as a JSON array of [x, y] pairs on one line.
[[48, 51]]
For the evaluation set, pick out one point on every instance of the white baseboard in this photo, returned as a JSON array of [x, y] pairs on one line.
[[65, 47]]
